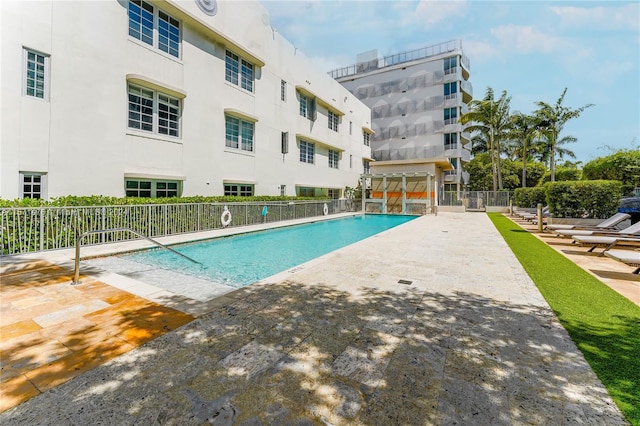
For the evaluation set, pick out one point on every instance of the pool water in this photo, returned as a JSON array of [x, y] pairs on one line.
[[244, 259]]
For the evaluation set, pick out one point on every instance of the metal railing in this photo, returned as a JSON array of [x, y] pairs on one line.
[[475, 199], [79, 237], [24, 230]]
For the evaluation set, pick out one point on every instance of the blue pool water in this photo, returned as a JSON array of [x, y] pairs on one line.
[[243, 259]]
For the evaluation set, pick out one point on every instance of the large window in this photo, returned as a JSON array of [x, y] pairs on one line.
[[152, 111], [451, 65], [36, 69], [450, 115], [304, 106], [238, 71], [154, 27], [32, 185], [333, 120], [450, 90], [239, 133], [306, 192], [450, 141], [307, 152], [333, 159], [333, 193], [238, 190], [366, 166], [151, 188]]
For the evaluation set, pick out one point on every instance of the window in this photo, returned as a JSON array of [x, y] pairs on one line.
[[284, 142], [283, 190], [239, 133], [307, 152], [366, 137], [333, 120], [450, 141], [450, 115], [32, 185], [238, 190], [238, 71], [332, 193], [154, 27], [307, 107], [366, 166], [151, 188], [450, 90], [152, 111], [333, 159], [451, 65], [283, 90], [306, 192], [36, 69], [351, 161], [304, 109]]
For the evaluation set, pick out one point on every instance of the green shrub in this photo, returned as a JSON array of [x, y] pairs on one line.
[[529, 197], [588, 198], [562, 174]]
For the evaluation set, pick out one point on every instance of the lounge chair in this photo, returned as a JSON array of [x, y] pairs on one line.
[[630, 231], [607, 224], [607, 242], [630, 257]]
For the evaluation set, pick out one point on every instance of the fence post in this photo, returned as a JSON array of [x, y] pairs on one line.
[[42, 231], [76, 271]]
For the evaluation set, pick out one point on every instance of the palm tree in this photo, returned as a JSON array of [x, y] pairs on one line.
[[552, 120], [490, 118], [523, 131]]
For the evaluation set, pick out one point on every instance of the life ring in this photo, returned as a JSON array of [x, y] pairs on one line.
[[325, 209], [225, 218]]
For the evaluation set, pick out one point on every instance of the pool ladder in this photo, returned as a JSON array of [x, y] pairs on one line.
[[79, 237]]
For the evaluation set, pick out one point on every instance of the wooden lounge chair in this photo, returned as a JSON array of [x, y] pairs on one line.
[[630, 231], [607, 224], [630, 257]]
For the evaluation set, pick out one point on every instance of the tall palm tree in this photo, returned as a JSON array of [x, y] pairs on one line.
[[552, 120], [490, 117], [523, 131]]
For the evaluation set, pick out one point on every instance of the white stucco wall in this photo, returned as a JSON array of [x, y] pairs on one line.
[[79, 136]]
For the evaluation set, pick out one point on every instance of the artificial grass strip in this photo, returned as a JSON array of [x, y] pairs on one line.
[[603, 324]]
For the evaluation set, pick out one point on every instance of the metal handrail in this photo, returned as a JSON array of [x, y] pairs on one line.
[[79, 237]]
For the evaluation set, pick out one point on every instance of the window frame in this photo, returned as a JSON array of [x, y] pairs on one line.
[[240, 140], [239, 71], [448, 93], [307, 152], [164, 33], [156, 188], [333, 120], [366, 138], [238, 189], [41, 183], [43, 78], [283, 91], [334, 159], [453, 117], [161, 119], [448, 143]]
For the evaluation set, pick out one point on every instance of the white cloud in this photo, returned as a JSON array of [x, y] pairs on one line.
[[615, 18], [526, 39], [480, 51], [431, 12]]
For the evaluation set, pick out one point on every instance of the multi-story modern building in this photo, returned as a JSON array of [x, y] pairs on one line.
[[168, 98], [416, 98]]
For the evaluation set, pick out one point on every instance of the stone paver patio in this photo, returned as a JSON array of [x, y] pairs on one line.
[[433, 322]]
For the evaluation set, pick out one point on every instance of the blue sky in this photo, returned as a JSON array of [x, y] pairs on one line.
[[531, 49]]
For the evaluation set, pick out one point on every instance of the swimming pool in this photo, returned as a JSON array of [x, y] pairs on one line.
[[243, 259]]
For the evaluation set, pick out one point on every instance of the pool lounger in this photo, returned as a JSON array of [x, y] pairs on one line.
[[631, 231], [607, 224], [607, 241], [630, 257]]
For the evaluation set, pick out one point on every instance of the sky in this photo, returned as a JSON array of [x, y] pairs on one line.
[[531, 49]]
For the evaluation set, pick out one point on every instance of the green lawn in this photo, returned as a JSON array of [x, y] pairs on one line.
[[602, 323]]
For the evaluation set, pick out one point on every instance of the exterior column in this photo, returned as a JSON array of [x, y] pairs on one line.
[[404, 194], [428, 192], [384, 194]]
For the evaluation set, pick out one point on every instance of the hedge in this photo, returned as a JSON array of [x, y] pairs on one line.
[[597, 199], [530, 197]]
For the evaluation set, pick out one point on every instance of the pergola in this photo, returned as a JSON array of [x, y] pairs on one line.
[[398, 192]]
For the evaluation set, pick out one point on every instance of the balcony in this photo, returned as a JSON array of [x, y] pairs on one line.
[[467, 91]]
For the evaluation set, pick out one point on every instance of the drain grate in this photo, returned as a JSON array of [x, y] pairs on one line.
[[405, 282]]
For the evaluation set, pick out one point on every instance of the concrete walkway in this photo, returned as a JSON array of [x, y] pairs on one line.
[[432, 322]]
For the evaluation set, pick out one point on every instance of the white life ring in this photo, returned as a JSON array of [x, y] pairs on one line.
[[225, 218], [325, 209]]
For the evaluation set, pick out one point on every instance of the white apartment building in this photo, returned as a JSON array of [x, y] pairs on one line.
[[168, 98], [416, 98]]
